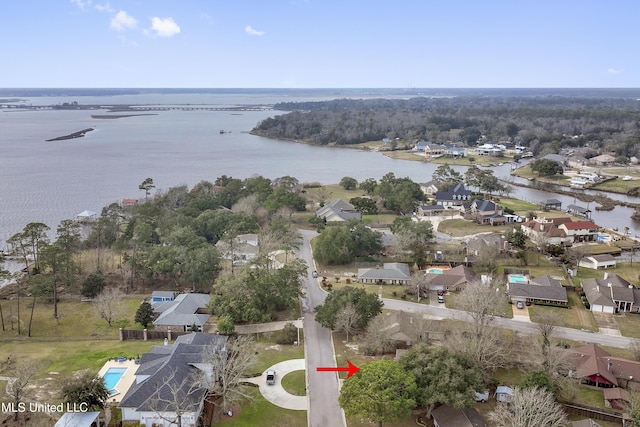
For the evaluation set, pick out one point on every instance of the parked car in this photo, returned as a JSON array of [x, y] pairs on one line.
[[440, 292], [440, 299], [520, 305], [314, 274], [271, 377]]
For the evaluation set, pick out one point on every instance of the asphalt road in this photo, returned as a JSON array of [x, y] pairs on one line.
[[322, 387], [515, 325]]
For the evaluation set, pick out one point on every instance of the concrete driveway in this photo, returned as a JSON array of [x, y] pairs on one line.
[[276, 394], [521, 314]]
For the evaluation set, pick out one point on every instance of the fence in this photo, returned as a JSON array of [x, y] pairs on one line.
[[594, 413], [145, 335]]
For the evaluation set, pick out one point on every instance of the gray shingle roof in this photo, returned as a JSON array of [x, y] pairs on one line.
[[183, 310], [172, 373]]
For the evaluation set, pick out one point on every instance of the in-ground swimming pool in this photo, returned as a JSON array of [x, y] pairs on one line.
[[517, 278], [434, 270], [111, 379]]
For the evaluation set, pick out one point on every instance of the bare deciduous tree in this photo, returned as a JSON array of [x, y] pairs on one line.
[[21, 372], [376, 339], [478, 339], [229, 366], [347, 320], [178, 401], [109, 304], [529, 407]]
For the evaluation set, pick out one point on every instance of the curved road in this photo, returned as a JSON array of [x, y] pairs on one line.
[[322, 387]]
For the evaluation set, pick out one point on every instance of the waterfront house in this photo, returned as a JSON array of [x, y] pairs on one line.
[[597, 262], [170, 379], [580, 231], [392, 273], [557, 158], [611, 294], [338, 211], [546, 232], [458, 195], [454, 151], [434, 150], [542, 289]]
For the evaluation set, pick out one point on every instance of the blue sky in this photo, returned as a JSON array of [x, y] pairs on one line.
[[320, 43]]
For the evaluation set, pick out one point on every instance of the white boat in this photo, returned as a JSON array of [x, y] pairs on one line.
[[627, 178]]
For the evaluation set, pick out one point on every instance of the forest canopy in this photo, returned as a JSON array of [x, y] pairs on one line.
[[542, 123]]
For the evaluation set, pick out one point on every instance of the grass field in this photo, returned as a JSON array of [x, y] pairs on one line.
[[576, 316], [461, 228], [519, 206], [295, 383], [264, 414]]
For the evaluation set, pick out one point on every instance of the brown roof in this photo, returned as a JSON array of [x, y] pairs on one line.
[[617, 393], [592, 360], [580, 225]]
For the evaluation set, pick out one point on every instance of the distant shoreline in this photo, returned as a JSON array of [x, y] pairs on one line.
[[119, 116], [74, 135]]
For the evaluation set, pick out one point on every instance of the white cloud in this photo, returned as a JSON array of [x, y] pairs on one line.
[[613, 71], [252, 32], [123, 21], [164, 27], [81, 4], [104, 8]]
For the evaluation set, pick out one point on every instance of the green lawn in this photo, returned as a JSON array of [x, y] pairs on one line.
[[330, 192], [576, 316], [295, 383], [382, 220], [264, 414], [518, 205], [629, 324], [462, 228]]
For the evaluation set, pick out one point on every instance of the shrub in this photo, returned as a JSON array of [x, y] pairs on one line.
[[226, 326], [288, 335]]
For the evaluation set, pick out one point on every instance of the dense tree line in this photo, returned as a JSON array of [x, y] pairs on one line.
[[544, 123]]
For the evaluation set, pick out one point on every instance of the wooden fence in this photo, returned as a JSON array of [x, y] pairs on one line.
[[594, 413], [145, 335]]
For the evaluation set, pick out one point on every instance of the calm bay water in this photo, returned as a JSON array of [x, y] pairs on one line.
[[52, 181]]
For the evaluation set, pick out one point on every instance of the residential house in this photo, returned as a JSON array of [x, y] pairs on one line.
[[580, 231], [434, 150], [490, 149], [239, 249], [128, 202], [542, 289], [420, 145], [338, 211], [546, 232], [458, 195], [596, 367], [448, 416], [392, 273], [182, 313], [453, 279], [602, 160], [405, 329], [172, 377], [162, 296], [454, 151], [504, 394], [430, 210], [597, 262], [550, 204], [611, 294], [487, 242], [430, 188], [484, 212]]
